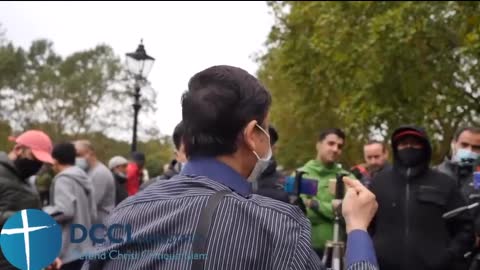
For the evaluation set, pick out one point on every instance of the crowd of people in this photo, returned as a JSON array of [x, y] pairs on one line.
[[224, 184]]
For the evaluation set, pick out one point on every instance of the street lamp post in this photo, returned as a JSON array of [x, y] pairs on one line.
[[139, 64]]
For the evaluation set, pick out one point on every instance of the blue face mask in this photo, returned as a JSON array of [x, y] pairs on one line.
[[463, 155]]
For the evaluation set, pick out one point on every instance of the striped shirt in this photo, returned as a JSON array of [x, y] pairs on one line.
[[248, 231]]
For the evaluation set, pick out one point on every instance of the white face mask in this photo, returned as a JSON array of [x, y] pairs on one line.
[[463, 155], [82, 163], [122, 175], [262, 163]]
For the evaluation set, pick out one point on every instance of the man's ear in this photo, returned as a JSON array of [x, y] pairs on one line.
[[452, 147], [17, 150], [318, 146], [249, 135]]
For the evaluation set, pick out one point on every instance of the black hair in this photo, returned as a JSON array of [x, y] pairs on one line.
[[138, 156], [471, 129], [273, 135], [177, 135], [370, 142], [324, 133], [218, 104], [64, 153]]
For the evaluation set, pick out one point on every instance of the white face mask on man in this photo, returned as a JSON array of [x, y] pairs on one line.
[[82, 163], [464, 155], [262, 163]]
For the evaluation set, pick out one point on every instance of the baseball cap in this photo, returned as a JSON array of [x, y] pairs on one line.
[[117, 161], [408, 132], [38, 142]]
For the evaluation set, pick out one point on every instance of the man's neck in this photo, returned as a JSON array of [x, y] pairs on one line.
[[93, 163], [233, 163], [62, 168], [326, 164]]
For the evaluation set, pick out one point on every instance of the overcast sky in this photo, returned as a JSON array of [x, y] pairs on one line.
[[184, 37]]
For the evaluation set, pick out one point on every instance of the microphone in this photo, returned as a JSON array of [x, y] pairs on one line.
[[457, 211], [340, 186]]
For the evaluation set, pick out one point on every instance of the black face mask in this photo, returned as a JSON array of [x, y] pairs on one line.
[[411, 156], [27, 167]]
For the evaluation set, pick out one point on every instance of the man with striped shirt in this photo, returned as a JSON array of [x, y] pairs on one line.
[[225, 115]]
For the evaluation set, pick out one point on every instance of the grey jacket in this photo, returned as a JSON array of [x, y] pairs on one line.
[[104, 185], [463, 176], [15, 195], [72, 202]]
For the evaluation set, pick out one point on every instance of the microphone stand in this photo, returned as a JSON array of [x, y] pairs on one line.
[[457, 211], [296, 199], [335, 249]]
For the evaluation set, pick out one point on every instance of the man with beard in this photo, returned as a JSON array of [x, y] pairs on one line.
[[465, 150], [32, 149], [323, 169], [376, 160], [118, 166]]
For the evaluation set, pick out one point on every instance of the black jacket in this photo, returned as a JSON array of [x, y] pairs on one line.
[[269, 183], [15, 195], [120, 189], [408, 231], [463, 176], [174, 168]]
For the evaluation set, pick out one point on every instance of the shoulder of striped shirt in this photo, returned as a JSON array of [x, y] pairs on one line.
[[181, 184], [363, 265]]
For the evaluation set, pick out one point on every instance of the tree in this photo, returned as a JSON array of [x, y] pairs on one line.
[[85, 92], [85, 95], [158, 152], [5, 131], [369, 67]]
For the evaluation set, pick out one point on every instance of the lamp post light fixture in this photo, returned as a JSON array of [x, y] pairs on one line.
[[139, 64]]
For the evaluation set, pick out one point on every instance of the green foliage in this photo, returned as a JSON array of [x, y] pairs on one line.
[[5, 131], [85, 95], [369, 67], [158, 153]]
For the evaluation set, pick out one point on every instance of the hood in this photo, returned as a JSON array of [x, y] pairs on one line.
[[79, 176], [7, 168], [420, 132]]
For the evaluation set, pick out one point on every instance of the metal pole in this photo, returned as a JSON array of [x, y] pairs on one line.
[[136, 108]]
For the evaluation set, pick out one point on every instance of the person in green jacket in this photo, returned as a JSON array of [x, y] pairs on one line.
[[323, 169]]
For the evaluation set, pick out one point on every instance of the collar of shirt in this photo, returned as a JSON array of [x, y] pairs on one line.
[[218, 172]]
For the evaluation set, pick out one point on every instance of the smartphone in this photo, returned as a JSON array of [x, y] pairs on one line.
[[307, 186]]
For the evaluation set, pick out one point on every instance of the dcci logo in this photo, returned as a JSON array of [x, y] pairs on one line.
[[31, 239]]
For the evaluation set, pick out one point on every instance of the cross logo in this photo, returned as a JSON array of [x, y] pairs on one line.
[[36, 234]]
